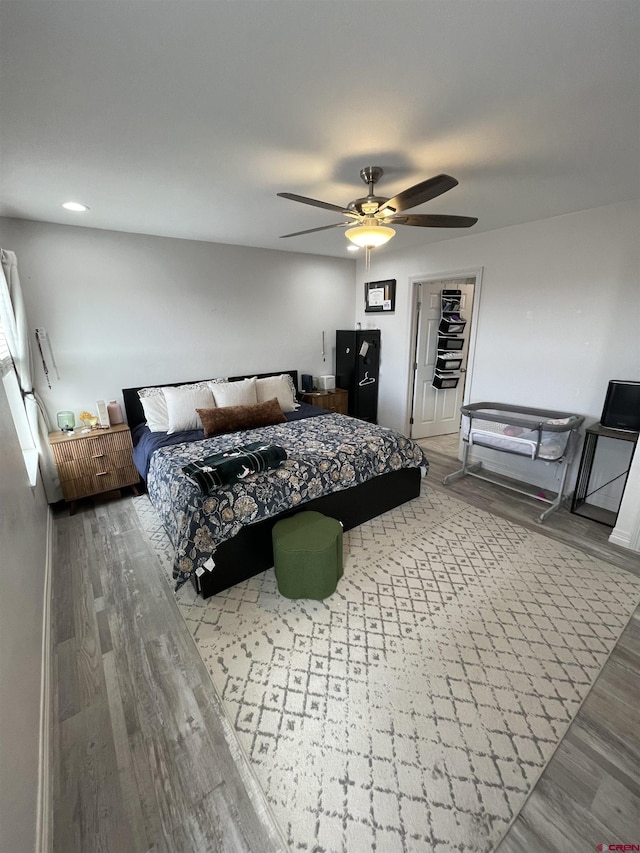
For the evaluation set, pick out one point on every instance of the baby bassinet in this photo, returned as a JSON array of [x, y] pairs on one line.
[[535, 433]]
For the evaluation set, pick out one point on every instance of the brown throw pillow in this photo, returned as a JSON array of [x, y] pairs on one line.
[[233, 418]]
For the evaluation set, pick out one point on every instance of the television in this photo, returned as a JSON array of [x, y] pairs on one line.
[[622, 406]]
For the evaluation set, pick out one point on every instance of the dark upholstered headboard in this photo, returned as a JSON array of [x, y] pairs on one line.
[[133, 406]]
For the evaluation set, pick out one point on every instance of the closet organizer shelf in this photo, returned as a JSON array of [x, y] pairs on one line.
[[448, 362], [451, 324], [445, 381], [450, 343]]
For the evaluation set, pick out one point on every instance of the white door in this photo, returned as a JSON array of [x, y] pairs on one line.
[[437, 411]]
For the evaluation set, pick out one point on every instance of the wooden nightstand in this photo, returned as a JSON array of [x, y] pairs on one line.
[[335, 401], [93, 462]]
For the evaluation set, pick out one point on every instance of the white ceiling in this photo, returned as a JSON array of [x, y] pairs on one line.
[[185, 118]]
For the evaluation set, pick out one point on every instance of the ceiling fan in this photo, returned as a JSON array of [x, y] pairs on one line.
[[371, 217]]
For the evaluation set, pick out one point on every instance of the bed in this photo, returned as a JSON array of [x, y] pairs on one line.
[[343, 467], [538, 434]]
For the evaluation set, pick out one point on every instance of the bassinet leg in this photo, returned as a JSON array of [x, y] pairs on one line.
[[560, 497], [466, 469]]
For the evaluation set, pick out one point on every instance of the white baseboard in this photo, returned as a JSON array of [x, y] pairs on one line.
[[629, 539], [620, 538], [45, 787]]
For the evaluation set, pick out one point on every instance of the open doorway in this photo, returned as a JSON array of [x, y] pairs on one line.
[[436, 411]]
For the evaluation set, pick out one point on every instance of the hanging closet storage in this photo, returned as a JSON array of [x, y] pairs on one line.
[[450, 341]]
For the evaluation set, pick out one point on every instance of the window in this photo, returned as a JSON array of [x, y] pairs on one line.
[[16, 407]]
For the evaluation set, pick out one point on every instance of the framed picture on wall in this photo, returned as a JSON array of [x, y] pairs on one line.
[[380, 296]]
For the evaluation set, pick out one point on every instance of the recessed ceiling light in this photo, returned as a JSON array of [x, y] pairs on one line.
[[353, 248], [75, 205]]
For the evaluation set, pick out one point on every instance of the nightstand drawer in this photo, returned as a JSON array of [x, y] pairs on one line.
[[93, 446], [104, 481], [71, 467]]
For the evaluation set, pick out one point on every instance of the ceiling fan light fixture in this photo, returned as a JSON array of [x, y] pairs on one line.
[[373, 214], [370, 235]]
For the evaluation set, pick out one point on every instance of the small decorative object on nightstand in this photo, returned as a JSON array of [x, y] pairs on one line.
[[89, 420], [103, 414], [66, 421], [335, 401], [94, 462], [115, 413]]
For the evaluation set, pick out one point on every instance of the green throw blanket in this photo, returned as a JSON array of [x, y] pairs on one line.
[[237, 463]]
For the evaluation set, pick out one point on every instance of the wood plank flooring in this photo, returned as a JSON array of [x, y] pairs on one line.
[[145, 760]]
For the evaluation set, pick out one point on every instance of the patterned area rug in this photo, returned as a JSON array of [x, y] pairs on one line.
[[416, 708]]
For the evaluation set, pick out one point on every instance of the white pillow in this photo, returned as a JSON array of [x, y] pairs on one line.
[[182, 404], [280, 387], [155, 410], [154, 403], [242, 392]]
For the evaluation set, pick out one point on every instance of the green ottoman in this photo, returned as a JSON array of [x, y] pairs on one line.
[[307, 555]]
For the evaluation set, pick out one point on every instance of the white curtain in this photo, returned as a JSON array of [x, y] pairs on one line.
[[14, 322]]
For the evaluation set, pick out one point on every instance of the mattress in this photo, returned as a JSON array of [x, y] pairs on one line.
[[491, 434]]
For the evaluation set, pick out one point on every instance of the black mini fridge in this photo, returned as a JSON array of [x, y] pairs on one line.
[[357, 370]]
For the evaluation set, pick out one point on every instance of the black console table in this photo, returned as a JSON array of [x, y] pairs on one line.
[[580, 505]]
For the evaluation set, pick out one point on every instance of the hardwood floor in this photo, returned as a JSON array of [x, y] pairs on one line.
[[145, 760]]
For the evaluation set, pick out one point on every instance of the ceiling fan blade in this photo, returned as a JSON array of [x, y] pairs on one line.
[[313, 202], [311, 230], [433, 220], [418, 194]]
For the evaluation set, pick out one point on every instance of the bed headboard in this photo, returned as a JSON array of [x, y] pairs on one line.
[[133, 406]]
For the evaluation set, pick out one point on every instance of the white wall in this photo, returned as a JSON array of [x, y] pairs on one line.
[[127, 309], [627, 529], [558, 317], [23, 549]]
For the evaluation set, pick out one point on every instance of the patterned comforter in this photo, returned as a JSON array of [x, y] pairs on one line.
[[324, 454]]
